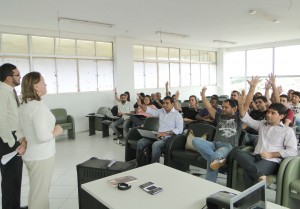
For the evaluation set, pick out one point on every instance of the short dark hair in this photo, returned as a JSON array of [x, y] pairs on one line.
[[232, 102], [122, 95], [297, 93], [285, 96], [6, 70], [142, 94], [280, 108], [235, 91], [169, 98], [263, 98], [214, 96]]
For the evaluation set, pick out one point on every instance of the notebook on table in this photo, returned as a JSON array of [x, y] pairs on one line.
[[252, 198], [148, 134]]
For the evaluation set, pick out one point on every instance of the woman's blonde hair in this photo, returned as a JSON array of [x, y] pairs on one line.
[[27, 87]]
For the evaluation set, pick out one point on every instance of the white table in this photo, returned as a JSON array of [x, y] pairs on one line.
[[181, 190]]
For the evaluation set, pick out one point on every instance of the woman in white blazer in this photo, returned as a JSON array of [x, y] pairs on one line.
[[37, 125]]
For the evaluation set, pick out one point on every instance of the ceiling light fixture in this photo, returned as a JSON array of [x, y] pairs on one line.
[[172, 34], [86, 22], [224, 42], [263, 15]]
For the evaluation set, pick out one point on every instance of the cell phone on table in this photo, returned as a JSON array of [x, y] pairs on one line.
[[151, 188]]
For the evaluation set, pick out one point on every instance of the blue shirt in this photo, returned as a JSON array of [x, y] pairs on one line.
[[171, 121]]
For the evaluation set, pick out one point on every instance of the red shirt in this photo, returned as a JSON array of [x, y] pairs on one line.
[[289, 115]]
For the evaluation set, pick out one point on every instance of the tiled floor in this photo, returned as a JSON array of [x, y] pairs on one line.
[[63, 191]]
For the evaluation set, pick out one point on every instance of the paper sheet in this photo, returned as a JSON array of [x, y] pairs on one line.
[[8, 157]]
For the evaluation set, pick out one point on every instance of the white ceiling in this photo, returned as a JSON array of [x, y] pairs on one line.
[[202, 20]]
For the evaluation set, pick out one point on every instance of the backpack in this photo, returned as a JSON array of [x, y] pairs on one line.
[[144, 156]]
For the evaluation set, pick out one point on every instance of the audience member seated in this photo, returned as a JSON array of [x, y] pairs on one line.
[[204, 115], [139, 121], [288, 119], [190, 112], [295, 106], [290, 94], [227, 136], [157, 100], [124, 110], [235, 95], [259, 114], [170, 123], [127, 95], [272, 145], [141, 97]]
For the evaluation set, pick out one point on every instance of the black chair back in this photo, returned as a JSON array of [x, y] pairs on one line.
[[200, 129]]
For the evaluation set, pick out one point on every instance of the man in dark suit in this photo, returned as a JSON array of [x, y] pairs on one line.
[[11, 172]]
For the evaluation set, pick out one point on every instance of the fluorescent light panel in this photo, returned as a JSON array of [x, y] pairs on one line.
[[85, 22], [263, 15], [172, 34], [224, 42]]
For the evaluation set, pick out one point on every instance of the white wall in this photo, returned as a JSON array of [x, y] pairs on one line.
[[80, 104]]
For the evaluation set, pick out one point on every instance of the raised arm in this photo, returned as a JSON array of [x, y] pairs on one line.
[[167, 89], [177, 105], [241, 101], [207, 104], [116, 95], [252, 84], [267, 92], [272, 83]]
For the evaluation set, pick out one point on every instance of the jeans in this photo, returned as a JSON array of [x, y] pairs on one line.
[[254, 166], [157, 146], [126, 124], [210, 151], [297, 123]]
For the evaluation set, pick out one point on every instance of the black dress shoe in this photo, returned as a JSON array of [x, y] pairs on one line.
[[24, 207]]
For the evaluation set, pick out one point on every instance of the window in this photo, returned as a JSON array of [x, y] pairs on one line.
[[68, 65], [287, 60], [67, 75], [87, 75], [151, 75], [14, 43], [65, 46], [180, 67], [163, 74], [42, 45], [150, 52], [185, 74], [259, 62], [86, 48], [105, 75], [104, 49], [46, 66]]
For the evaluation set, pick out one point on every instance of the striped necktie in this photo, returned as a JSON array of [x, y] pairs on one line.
[[17, 98]]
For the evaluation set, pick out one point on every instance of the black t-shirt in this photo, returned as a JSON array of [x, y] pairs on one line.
[[228, 128], [190, 113]]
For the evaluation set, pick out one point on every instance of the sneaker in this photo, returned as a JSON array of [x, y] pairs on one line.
[[217, 163]]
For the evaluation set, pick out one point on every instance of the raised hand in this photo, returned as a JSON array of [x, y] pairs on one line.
[[167, 84], [271, 79], [254, 81], [267, 85], [202, 93]]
